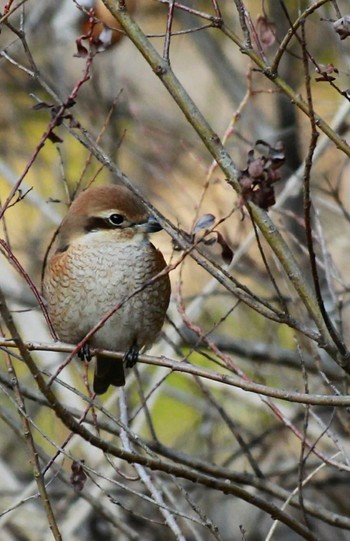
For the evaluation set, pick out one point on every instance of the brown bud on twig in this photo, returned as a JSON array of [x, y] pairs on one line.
[[261, 173], [266, 31], [78, 476], [204, 224]]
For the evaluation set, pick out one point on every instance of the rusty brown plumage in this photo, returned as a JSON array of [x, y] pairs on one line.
[[95, 264]]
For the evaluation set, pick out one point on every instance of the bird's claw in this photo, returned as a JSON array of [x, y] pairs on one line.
[[131, 356], [84, 353]]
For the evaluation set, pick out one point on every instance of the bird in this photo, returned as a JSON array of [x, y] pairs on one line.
[[89, 19], [102, 256], [106, 29]]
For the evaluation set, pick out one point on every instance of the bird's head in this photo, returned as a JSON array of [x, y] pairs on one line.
[[104, 211]]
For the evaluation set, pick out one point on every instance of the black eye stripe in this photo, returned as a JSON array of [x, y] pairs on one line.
[[95, 223]]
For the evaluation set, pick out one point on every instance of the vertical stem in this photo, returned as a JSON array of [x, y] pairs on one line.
[[168, 31], [308, 203]]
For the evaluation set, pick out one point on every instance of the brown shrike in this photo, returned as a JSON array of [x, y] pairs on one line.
[[101, 256]]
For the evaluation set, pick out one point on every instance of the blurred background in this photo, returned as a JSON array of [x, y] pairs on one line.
[[127, 110]]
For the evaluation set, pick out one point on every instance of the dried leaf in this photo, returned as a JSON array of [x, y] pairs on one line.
[[264, 197], [325, 77], [260, 174], [328, 68], [82, 50], [277, 154], [256, 168], [209, 242], [205, 222], [54, 138], [74, 123], [266, 31], [78, 476], [250, 156], [56, 110], [325, 72], [70, 103], [226, 252], [42, 105], [246, 183]]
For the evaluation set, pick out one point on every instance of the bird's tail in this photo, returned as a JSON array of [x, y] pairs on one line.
[[108, 372]]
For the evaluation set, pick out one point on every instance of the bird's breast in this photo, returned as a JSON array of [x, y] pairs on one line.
[[82, 284]]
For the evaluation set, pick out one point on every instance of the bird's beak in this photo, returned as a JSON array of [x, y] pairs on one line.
[[150, 226]]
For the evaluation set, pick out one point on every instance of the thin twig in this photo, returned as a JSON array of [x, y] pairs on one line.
[[169, 25], [242, 14], [146, 479], [186, 368], [308, 205], [33, 455], [201, 465]]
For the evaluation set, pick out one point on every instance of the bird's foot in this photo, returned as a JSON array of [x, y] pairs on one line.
[[131, 356], [84, 353]]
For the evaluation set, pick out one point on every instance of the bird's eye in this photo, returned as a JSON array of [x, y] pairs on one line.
[[116, 219]]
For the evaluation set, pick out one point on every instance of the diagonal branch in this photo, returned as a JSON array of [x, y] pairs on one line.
[[224, 160]]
